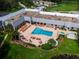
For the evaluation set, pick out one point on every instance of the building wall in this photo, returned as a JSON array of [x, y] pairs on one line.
[[1, 24], [56, 22], [18, 22]]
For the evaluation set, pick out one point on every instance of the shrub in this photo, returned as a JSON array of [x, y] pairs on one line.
[[49, 45], [46, 46], [53, 42], [32, 45]]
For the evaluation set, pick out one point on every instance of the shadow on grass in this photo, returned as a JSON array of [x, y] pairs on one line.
[[65, 56], [4, 50]]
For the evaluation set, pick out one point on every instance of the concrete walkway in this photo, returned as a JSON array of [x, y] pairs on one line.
[[56, 42]]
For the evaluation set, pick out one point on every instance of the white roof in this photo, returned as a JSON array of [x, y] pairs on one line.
[[6, 17], [0, 18], [33, 10], [72, 35], [60, 14], [9, 16], [54, 13]]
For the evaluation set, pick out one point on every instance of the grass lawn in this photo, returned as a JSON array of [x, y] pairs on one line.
[[68, 46], [64, 7], [20, 52]]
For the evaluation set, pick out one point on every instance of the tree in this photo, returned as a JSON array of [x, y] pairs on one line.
[[27, 3], [7, 4], [49, 45], [57, 1], [15, 35], [9, 28], [4, 50]]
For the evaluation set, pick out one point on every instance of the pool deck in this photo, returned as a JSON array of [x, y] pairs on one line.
[[42, 38]]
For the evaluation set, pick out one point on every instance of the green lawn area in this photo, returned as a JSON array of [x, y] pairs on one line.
[[20, 52], [64, 7], [69, 46]]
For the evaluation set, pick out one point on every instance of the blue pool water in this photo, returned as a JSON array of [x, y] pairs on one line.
[[40, 31], [62, 33]]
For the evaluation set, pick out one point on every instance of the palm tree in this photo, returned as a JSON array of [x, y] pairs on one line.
[[9, 28], [15, 35]]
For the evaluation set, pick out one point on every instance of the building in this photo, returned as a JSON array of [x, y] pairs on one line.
[[1, 24], [60, 19], [42, 3], [15, 19], [26, 15]]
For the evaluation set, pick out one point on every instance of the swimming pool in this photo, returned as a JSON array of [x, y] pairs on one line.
[[62, 33], [40, 31]]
